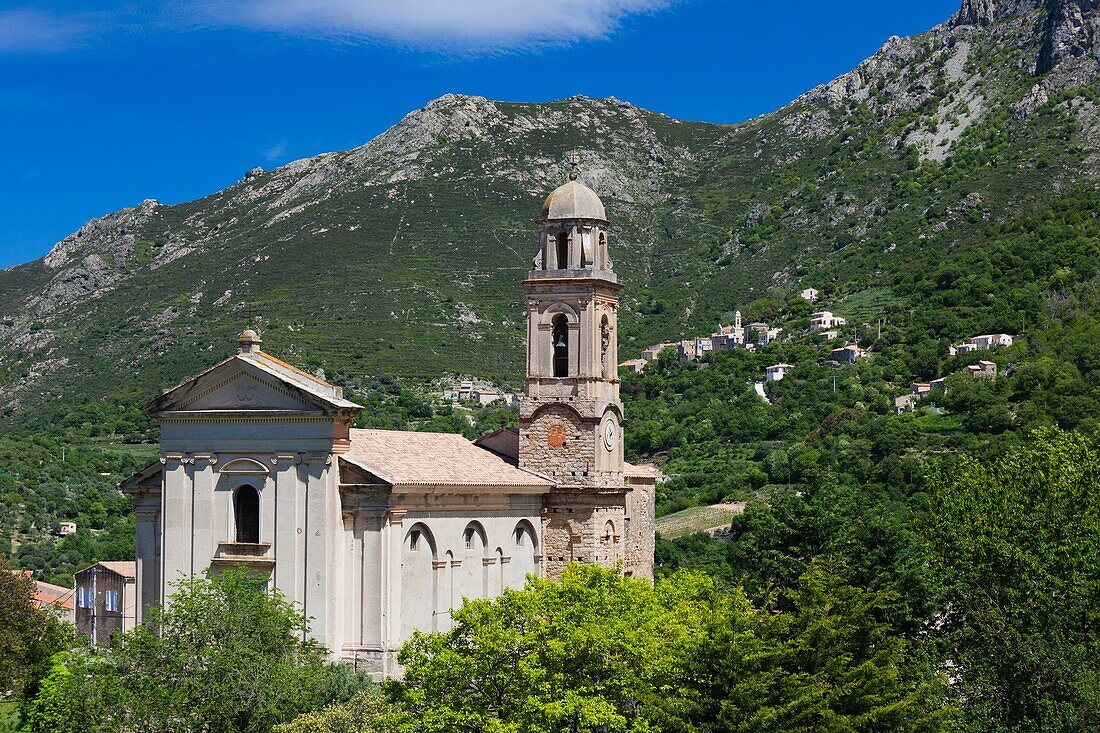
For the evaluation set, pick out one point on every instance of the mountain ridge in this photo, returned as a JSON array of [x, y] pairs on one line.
[[418, 238]]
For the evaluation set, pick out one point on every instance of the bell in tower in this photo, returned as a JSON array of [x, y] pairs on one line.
[[571, 418]]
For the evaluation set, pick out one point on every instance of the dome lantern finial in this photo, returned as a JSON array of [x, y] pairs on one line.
[[573, 174]]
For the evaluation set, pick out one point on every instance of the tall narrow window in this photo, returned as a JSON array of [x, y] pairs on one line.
[[605, 347], [602, 254], [563, 251], [560, 335], [246, 510]]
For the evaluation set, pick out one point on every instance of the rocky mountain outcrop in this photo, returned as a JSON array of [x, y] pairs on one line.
[[1071, 33], [974, 12], [94, 257], [347, 255]]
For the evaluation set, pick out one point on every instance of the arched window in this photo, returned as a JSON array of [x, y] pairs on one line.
[[603, 250], [608, 532], [563, 251], [246, 511], [474, 537], [560, 335]]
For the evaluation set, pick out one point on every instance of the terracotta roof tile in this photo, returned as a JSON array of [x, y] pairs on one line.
[[435, 459], [645, 470], [125, 569], [48, 594]]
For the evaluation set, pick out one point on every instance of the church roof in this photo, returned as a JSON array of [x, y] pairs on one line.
[[313, 389], [573, 200], [405, 458], [301, 379]]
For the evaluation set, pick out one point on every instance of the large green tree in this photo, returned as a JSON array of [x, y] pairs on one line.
[[593, 652], [29, 635], [818, 658], [600, 653], [225, 656], [1017, 543]]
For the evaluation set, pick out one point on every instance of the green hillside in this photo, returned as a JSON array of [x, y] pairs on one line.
[[405, 256]]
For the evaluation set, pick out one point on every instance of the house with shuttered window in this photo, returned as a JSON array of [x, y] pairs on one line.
[[106, 600]]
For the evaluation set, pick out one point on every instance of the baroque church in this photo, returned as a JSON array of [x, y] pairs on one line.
[[377, 533]]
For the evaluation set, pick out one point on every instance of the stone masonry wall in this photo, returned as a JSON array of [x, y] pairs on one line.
[[639, 541], [559, 444], [573, 530]]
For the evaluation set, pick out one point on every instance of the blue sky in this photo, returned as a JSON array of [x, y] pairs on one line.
[[106, 103]]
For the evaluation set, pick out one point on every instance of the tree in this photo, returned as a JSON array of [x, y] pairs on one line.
[[28, 635], [595, 652], [225, 656], [599, 653], [366, 712], [819, 659], [1017, 543]]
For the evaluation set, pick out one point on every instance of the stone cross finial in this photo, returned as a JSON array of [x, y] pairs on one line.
[[572, 158]]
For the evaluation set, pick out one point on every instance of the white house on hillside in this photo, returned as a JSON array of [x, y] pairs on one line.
[[824, 320], [777, 372], [987, 341]]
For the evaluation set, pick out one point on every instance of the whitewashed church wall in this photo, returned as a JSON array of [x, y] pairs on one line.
[[178, 490], [300, 513], [431, 589], [418, 581], [286, 540], [148, 556]]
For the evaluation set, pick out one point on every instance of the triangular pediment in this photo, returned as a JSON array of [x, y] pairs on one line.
[[239, 385], [244, 392]]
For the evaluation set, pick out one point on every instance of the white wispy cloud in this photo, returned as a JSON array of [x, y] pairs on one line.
[[444, 25], [449, 26], [35, 30], [275, 152]]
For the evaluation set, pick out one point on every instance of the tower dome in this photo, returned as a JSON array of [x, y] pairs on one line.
[[573, 200]]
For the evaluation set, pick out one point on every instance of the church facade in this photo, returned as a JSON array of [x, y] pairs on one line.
[[374, 533]]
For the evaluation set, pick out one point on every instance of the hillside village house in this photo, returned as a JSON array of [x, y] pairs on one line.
[[634, 366], [809, 294], [66, 528], [767, 335], [825, 320], [979, 343], [983, 368], [482, 393], [848, 354], [776, 372], [374, 534], [49, 596], [106, 600], [917, 392], [651, 353], [695, 348]]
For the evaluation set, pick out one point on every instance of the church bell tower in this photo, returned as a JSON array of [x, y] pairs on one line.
[[571, 418]]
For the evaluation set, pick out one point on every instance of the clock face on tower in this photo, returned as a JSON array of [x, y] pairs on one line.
[[610, 433]]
